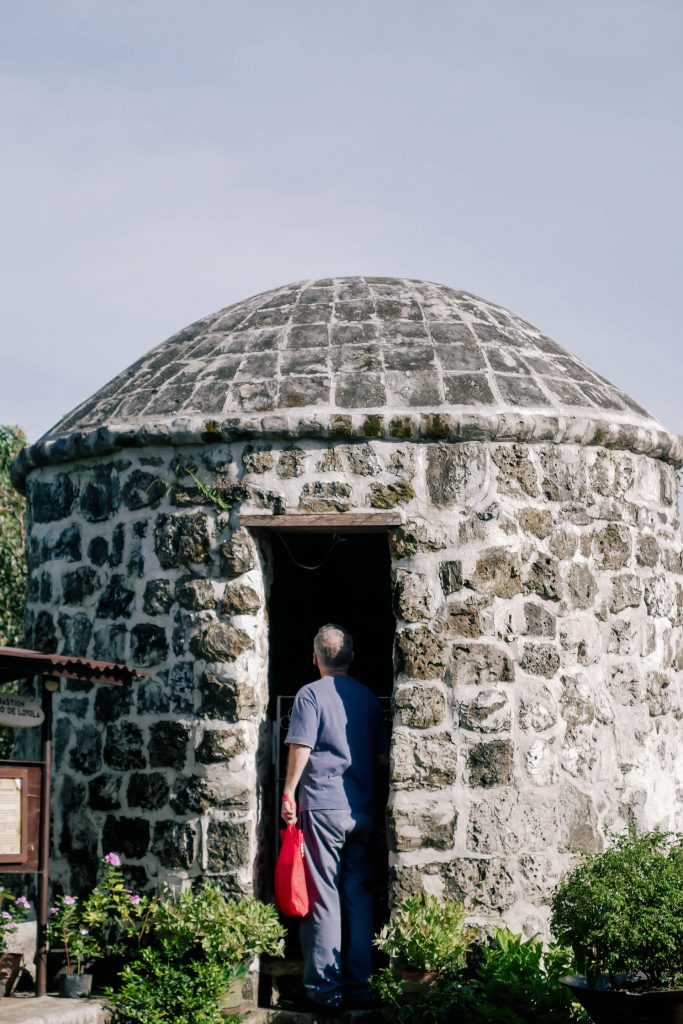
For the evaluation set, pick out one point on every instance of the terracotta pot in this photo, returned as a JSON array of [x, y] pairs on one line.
[[230, 1001], [75, 986], [617, 1006], [10, 965], [414, 981]]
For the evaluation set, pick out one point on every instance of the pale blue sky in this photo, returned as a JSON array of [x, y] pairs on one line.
[[162, 159]]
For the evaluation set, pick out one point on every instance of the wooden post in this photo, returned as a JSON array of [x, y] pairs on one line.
[[42, 908]]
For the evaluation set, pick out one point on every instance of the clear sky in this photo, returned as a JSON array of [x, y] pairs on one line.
[[164, 158]]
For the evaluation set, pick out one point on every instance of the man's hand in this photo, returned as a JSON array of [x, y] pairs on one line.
[[288, 811]]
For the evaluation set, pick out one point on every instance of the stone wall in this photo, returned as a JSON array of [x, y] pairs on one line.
[[539, 600]]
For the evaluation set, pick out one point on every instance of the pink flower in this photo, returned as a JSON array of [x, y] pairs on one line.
[[69, 900], [7, 915], [113, 860], [134, 899], [23, 902], [54, 910]]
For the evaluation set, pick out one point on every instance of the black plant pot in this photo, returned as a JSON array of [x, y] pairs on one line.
[[75, 986], [617, 1006], [105, 972]]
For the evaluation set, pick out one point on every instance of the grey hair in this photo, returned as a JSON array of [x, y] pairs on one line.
[[333, 646]]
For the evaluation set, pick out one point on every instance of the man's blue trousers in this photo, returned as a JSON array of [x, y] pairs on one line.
[[336, 934]]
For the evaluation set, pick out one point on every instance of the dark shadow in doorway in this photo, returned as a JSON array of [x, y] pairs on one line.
[[351, 587]]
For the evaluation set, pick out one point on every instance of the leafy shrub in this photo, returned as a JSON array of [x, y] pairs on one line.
[[158, 988], [514, 980], [12, 561], [425, 935], [506, 979], [198, 944], [622, 910], [232, 931], [432, 1002]]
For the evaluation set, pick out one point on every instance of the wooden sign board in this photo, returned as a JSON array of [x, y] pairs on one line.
[[19, 816]]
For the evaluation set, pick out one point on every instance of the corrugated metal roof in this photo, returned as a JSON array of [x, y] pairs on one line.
[[17, 663]]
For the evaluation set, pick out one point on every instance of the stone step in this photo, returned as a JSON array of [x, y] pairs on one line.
[[261, 1016], [52, 1010], [27, 1009]]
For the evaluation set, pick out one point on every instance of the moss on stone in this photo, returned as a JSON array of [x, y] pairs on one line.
[[401, 427], [341, 427], [402, 544], [372, 426], [436, 427], [390, 495]]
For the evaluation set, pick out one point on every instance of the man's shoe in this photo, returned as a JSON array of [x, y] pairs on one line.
[[326, 1010]]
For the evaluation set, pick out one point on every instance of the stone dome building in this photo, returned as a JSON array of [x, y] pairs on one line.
[[495, 522]]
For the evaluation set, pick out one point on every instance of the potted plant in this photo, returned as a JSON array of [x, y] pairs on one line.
[[426, 942], [443, 971], [13, 910], [68, 931], [252, 929], [117, 917], [195, 946], [423, 938], [100, 931], [621, 911]]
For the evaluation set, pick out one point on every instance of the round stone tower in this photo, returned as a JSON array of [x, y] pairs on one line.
[[522, 573]]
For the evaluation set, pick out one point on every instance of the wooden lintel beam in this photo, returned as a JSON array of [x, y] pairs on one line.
[[324, 522]]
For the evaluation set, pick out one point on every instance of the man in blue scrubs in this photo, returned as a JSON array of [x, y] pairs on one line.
[[336, 737]]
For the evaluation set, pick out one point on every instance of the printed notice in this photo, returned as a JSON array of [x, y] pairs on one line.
[[10, 817]]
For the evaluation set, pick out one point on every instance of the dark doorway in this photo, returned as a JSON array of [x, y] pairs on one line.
[[347, 581], [319, 578]]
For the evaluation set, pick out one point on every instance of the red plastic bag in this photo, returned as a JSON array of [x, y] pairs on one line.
[[291, 895]]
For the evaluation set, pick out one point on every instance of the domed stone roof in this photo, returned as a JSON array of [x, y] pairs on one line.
[[355, 356]]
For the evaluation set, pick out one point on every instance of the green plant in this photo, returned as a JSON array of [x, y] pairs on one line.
[[157, 989], [13, 910], [431, 1003], [111, 919], [198, 944], [12, 561], [114, 913], [212, 494], [425, 935], [515, 980], [230, 931], [622, 910], [222, 500], [505, 979], [67, 931]]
